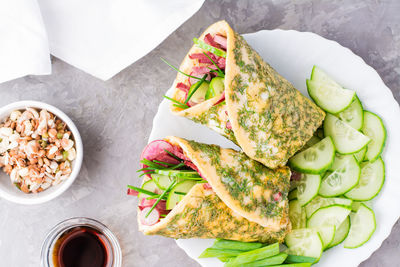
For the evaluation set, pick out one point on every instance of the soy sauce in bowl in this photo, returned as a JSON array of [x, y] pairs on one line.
[[81, 242], [81, 246]]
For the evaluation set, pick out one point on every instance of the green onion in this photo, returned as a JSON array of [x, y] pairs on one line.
[[215, 252], [146, 173], [274, 260], [299, 259], [175, 68], [209, 48], [156, 196], [236, 245], [165, 163], [163, 215], [254, 255], [178, 166], [198, 84], [141, 190], [172, 155], [152, 164], [215, 64], [177, 103], [160, 197]]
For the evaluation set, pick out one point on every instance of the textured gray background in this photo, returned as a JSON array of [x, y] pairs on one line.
[[115, 118]]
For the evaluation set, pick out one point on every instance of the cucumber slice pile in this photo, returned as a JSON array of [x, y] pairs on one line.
[[347, 140], [321, 202], [327, 94], [374, 129], [315, 159], [360, 155], [304, 242], [341, 233], [353, 115], [308, 188], [336, 212], [345, 176], [371, 181], [297, 215], [340, 98], [362, 227]]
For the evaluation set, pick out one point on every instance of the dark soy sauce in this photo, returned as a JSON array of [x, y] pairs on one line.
[[81, 247]]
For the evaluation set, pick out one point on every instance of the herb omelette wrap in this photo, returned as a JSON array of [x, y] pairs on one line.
[[195, 190], [224, 84]]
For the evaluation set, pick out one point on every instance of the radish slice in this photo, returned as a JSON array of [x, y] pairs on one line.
[[156, 151], [153, 217]]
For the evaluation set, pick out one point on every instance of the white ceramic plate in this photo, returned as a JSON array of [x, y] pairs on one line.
[[293, 54]]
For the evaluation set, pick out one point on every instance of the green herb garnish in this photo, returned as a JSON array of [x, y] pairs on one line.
[[177, 103], [172, 155], [175, 68], [221, 74], [141, 190], [160, 197]]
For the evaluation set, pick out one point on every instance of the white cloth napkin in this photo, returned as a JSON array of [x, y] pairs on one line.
[[102, 37], [23, 41]]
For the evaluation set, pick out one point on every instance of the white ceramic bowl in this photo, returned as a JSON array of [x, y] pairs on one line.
[[10, 192]]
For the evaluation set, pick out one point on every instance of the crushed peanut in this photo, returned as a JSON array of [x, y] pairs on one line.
[[36, 149]]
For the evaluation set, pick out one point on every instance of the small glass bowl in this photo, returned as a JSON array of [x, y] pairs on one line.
[[115, 255]]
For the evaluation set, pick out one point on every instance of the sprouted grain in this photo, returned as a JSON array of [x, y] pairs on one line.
[[36, 149]]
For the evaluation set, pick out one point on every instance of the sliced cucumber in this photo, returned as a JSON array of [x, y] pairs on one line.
[[200, 94], [345, 176], [292, 195], [293, 185], [371, 180], [182, 187], [178, 173], [162, 181], [362, 227], [360, 155], [341, 233], [318, 75], [373, 128], [151, 186], [347, 140], [356, 205], [331, 215], [308, 188], [353, 115], [216, 87], [331, 98], [304, 242], [297, 215], [327, 233], [315, 159], [320, 202]]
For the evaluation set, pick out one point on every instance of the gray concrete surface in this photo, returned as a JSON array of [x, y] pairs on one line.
[[115, 118]]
